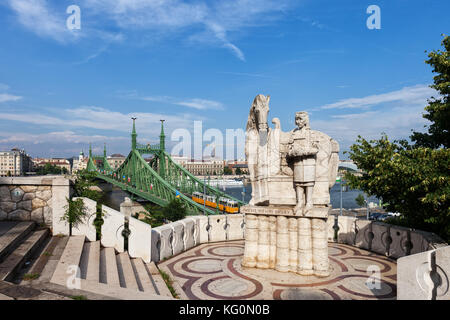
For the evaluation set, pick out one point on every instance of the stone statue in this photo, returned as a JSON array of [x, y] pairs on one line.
[[291, 174]]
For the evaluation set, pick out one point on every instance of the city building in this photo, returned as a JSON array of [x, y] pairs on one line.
[[208, 166], [238, 166], [80, 163], [15, 163], [57, 162], [115, 160]]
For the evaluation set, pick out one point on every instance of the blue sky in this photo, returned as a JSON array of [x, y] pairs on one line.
[[206, 60]]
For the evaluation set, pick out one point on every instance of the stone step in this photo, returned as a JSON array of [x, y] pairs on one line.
[[143, 277], [10, 239], [110, 267], [160, 284], [93, 269], [126, 273], [119, 292], [70, 257], [12, 264]]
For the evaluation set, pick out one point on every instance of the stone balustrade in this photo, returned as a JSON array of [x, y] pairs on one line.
[[176, 237], [382, 238]]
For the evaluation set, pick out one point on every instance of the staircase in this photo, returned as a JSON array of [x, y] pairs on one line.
[[103, 271], [19, 242]]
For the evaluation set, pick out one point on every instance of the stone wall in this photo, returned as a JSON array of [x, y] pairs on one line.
[[33, 198]]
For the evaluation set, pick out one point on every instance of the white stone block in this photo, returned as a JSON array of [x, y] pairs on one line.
[[442, 259], [380, 242], [189, 225], [87, 228], [235, 227], [177, 237], [413, 281], [156, 244], [217, 231], [202, 230], [140, 240], [364, 234], [346, 232], [330, 228], [165, 244], [60, 194], [113, 225], [400, 244]]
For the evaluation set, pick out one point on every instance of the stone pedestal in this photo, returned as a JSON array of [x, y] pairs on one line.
[[277, 239]]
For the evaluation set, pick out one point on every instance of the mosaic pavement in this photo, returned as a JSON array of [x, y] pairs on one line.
[[213, 271]]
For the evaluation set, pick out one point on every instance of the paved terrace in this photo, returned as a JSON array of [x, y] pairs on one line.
[[213, 271]]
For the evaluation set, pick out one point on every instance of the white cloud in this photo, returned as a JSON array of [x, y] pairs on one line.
[[37, 16], [395, 113], [414, 95], [3, 87], [4, 97], [204, 21], [196, 103], [58, 136]]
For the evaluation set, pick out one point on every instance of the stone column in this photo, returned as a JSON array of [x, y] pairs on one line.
[[320, 247], [293, 244], [273, 241], [251, 241], [282, 263], [262, 260], [305, 266], [60, 193]]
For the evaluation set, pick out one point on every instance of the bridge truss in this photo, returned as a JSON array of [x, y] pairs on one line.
[[158, 181]]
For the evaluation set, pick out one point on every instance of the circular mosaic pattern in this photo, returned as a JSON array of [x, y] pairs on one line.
[[214, 271]]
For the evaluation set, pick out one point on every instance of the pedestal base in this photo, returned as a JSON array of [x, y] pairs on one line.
[[276, 238]]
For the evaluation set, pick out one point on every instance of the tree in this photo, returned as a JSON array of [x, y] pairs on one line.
[[238, 171], [438, 109], [174, 210], [75, 213], [360, 201], [413, 179], [227, 171]]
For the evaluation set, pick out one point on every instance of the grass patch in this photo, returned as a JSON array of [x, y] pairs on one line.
[[30, 276], [169, 282], [47, 254], [78, 297]]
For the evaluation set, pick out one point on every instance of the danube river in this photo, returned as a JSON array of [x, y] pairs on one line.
[[114, 198]]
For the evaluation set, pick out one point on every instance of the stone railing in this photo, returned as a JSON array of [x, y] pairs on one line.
[[40, 199], [114, 223], [174, 238], [382, 238]]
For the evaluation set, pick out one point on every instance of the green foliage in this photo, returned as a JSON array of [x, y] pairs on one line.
[[360, 201], [49, 168], [173, 211], [169, 283], [227, 171], [30, 276], [413, 179], [81, 297], [238, 171], [438, 109], [75, 212], [84, 180]]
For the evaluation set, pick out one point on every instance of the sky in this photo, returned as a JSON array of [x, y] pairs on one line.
[[204, 60]]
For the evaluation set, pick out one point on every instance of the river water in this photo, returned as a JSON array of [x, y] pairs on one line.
[[114, 198]]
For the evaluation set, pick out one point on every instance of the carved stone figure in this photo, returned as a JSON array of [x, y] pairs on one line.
[[291, 174]]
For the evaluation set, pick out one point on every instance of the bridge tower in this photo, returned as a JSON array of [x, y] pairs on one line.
[[133, 135], [162, 148]]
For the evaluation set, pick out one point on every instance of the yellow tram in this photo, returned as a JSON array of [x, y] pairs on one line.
[[226, 205]]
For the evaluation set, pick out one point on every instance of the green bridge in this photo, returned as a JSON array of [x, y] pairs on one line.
[[159, 181]]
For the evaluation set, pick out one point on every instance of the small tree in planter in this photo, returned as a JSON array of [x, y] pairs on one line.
[[75, 213]]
